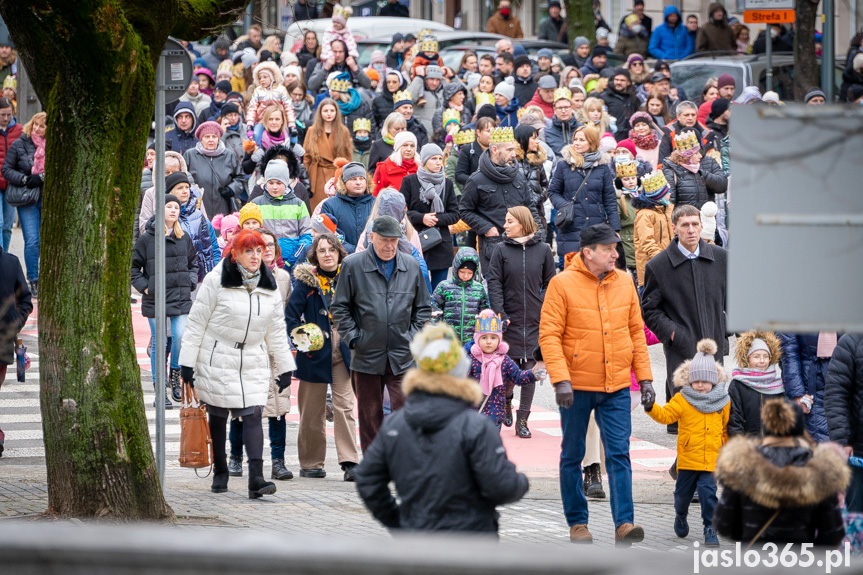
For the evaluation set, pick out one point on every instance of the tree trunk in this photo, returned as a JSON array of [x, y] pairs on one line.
[[93, 66], [580, 19], [807, 73]]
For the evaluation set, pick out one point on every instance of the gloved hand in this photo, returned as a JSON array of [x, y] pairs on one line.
[[284, 381], [295, 135], [648, 396], [563, 394], [226, 192], [34, 180], [258, 155], [187, 374], [539, 372]]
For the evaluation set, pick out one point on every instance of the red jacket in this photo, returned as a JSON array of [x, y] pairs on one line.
[[390, 175], [538, 101], [6, 140]]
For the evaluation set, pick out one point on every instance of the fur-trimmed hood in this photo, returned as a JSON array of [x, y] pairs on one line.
[[307, 274], [232, 278], [465, 389], [744, 342], [273, 69], [681, 374], [743, 468], [537, 158], [576, 160]]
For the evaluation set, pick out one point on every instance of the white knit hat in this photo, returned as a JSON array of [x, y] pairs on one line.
[[506, 88], [402, 138], [708, 221]]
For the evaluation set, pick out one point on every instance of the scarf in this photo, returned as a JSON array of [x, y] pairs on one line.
[[454, 107], [389, 140], [499, 174], [432, 188], [491, 375], [826, 341], [39, 157], [709, 402], [647, 142], [766, 382], [349, 107], [250, 279], [327, 281], [220, 149], [691, 167], [590, 159], [268, 139], [663, 202], [362, 145]]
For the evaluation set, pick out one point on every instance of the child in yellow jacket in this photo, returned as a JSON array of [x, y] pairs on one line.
[[703, 408]]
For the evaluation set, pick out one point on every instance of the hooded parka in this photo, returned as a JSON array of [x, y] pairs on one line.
[[181, 271]]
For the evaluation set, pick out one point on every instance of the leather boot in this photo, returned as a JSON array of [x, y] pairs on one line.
[[176, 385], [235, 466], [580, 534], [507, 413], [627, 534], [521, 424], [168, 404], [279, 470], [258, 486], [594, 489], [220, 474]]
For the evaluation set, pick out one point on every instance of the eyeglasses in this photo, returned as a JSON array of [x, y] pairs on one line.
[[563, 108], [269, 245], [637, 64]]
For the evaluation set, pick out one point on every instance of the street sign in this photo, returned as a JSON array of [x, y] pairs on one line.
[[176, 72], [768, 11]]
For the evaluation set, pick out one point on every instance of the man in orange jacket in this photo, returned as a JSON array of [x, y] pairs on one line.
[[591, 335]]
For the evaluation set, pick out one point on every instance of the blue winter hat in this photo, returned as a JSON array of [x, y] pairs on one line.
[[545, 53]]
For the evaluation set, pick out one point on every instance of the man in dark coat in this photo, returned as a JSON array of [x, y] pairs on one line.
[[446, 460], [396, 9], [303, 10], [381, 302], [843, 406], [684, 294], [621, 101], [554, 28], [716, 35], [15, 308]]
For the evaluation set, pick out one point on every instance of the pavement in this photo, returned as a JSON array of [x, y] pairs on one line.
[[330, 505]]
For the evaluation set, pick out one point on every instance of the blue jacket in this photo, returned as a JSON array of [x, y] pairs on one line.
[[508, 116], [182, 141], [351, 215], [559, 134], [667, 43], [803, 372], [198, 228], [306, 305]]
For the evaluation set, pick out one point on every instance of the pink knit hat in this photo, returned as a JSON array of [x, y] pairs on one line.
[[209, 128], [229, 223]]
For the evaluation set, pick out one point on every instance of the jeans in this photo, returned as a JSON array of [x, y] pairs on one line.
[[688, 481], [438, 276], [7, 217], [31, 219], [612, 415], [178, 326]]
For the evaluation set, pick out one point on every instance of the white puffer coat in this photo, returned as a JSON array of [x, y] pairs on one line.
[[230, 335]]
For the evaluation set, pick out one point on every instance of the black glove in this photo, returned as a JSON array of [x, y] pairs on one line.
[[227, 192], [284, 381], [34, 181], [648, 396], [563, 394], [187, 374]]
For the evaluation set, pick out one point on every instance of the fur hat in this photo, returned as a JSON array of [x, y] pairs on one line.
[[781, 418], [250, 212], [746, 341], [437, 349], [702, 367]]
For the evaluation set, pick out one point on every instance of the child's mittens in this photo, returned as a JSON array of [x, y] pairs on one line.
[[258, 155], [540, 373], [249, 146]]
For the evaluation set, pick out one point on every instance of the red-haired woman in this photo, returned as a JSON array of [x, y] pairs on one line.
[[236, 323]]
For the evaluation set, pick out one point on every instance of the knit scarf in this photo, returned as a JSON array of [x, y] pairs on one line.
[[268, 139], [327, 281], [590, 159], [491, 375], [643, 197], [500, 174], [709, 402], [39, 157], [454, 107], [766, 382], [389, 140], [349, 107], [220, 149], [647, 142], [432, 188], [250, 279]]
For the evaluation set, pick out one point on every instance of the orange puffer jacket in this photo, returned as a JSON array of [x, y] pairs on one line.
[[591, 332]]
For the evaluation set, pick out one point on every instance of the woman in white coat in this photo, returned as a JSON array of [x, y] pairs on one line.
[[235, 325]]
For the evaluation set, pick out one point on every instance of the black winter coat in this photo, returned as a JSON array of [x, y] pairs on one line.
[[440, 256], [746, 404], [181, 272], [843, 394], [379, 153], [621, 105], [517, 278], [800, 484], [15, 305], [695, 189], [468, 162], [446, 460], [416, 128], [537, 180], [18, 164], [524, 88]]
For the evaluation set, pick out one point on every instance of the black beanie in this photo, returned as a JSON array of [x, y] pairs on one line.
[[520, 61], [224, 86], [230, 108], [470, 265], [486, 111], [718, 107], [174, 180], [172, 198]]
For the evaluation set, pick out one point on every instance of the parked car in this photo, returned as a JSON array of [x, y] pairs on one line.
[[368, 27], [453, 54]]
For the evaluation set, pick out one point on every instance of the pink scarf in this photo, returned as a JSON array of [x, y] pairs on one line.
[[268, 140], [491, 376], [39, 157]]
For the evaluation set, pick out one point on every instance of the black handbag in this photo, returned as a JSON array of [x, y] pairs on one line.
[[430, 238], [22, 196], [566, 214]]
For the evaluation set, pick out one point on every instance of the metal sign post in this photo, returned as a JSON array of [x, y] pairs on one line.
[[173, 74], [828, 49]]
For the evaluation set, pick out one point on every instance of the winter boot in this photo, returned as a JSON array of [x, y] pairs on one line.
[[710, 538], [176, 385], [594, 489], [279, 471], [34, 289], [258, 486], [521, 424], [235, 466], [168, 404], [220, 474], [507, 413], [681, 525]]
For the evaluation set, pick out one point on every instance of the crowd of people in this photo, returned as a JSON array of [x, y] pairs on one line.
[[414, 242]]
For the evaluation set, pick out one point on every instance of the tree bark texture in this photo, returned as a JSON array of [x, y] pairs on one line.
[[807, 73], [92, 63], [580, 19]]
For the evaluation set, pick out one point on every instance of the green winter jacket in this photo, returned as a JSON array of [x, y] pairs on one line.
[[461, 301]]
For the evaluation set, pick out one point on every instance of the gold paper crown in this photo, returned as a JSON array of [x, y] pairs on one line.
[[337, 85], [464, 137], [415, 49], [430, 45], [502, 136], [626, 169], [654, 182], [344, 12], [487, 321], [483, 98], [423, 33], [402, 97], [562, 94], [362, 124], [520, 112], [686, 141], [451, 115]]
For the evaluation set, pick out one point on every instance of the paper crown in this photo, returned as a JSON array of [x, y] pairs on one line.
[[308, 337], [415, 49], [362, 124], [429, 45], [626, 169], [520, 112], [10, 82], [451, 115], [421, 35], [402, 97], [562, 94], [340, 85], [487, 321], [437, 349], [464, 137], [483, 98], [502, 136], [654, 182], [686, 141], [343, 11]]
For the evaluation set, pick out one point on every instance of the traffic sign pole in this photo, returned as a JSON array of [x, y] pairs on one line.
[[828, 49]]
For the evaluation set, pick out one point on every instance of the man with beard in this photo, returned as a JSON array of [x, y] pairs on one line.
[[621, 101]]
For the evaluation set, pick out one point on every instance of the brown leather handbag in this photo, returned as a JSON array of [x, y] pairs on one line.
[[196, 445]]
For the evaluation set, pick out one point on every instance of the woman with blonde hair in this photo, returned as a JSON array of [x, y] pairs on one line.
[[593, 114], [326, 140]]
